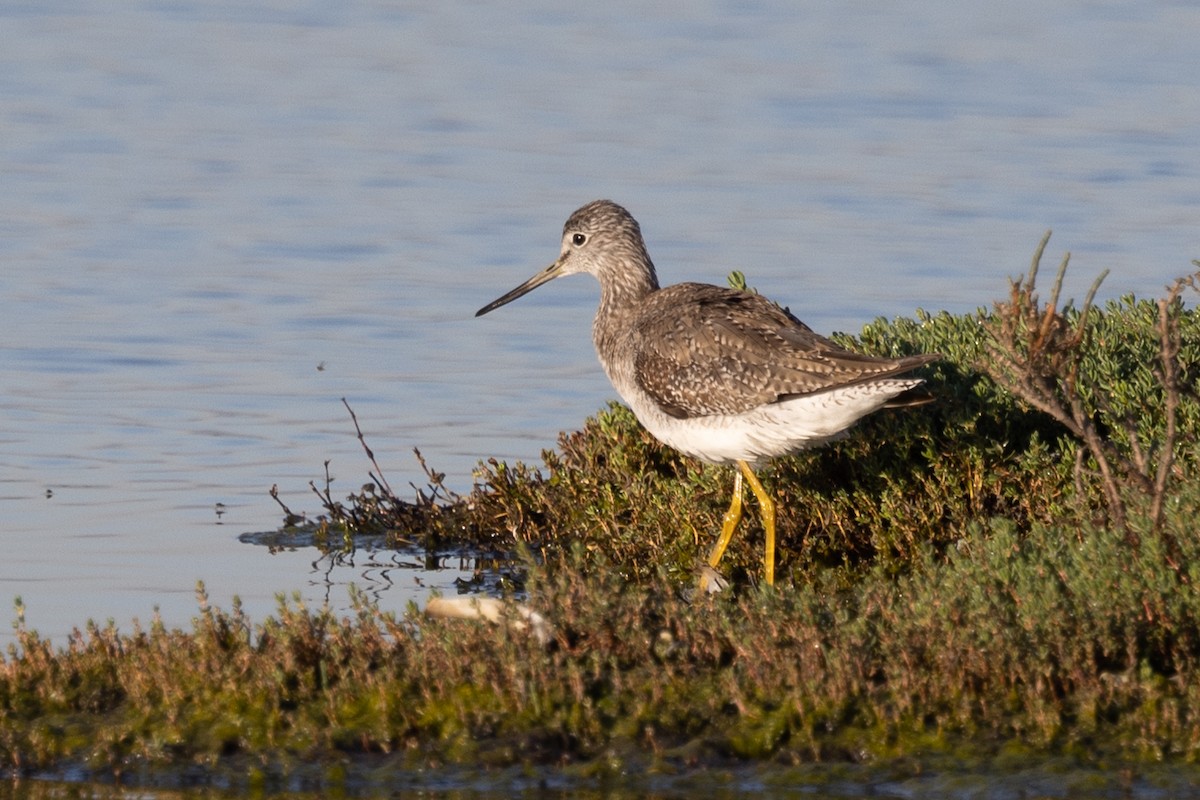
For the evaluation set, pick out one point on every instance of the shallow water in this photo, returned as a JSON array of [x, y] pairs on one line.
[[218, 219], [1061, 781]]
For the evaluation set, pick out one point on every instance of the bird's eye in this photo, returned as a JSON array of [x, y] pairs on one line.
[[579, 239]]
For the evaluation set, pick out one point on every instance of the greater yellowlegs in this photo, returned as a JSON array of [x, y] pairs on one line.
[[723, 375]]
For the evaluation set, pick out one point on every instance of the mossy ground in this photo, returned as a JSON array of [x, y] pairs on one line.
[[953, 584]]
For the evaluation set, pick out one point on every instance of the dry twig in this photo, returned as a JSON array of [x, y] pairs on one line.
[[1037, 351]]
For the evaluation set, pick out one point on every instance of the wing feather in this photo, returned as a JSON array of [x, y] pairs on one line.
[[701, 350]]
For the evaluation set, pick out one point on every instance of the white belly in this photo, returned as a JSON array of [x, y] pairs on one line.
[[771, 430]]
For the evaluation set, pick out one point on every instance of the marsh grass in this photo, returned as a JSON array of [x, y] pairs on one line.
[[1077, 645], [981, 579]]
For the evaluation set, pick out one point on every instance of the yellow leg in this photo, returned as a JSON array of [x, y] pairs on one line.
[[767, 506], [729, 523]]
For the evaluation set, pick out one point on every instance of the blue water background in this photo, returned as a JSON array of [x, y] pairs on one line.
[[218, 219]]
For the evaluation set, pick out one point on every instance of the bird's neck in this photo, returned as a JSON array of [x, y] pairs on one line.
[[621, 295], [626, 285]]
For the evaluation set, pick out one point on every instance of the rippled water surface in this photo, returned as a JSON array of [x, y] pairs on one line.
[[218, 219]]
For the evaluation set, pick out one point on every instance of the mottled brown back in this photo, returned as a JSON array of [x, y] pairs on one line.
[[701, 350]]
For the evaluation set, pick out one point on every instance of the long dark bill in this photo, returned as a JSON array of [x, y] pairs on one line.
[[548, 274]]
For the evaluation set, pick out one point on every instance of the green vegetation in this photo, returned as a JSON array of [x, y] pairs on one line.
[[1009, 571]]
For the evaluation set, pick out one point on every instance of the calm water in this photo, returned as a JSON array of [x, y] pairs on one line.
[[217, 219], [1057, 781]]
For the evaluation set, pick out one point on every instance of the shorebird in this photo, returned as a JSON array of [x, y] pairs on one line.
[[722, 375]]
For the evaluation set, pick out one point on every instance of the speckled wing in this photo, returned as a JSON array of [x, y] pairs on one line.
[[701, 350]]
